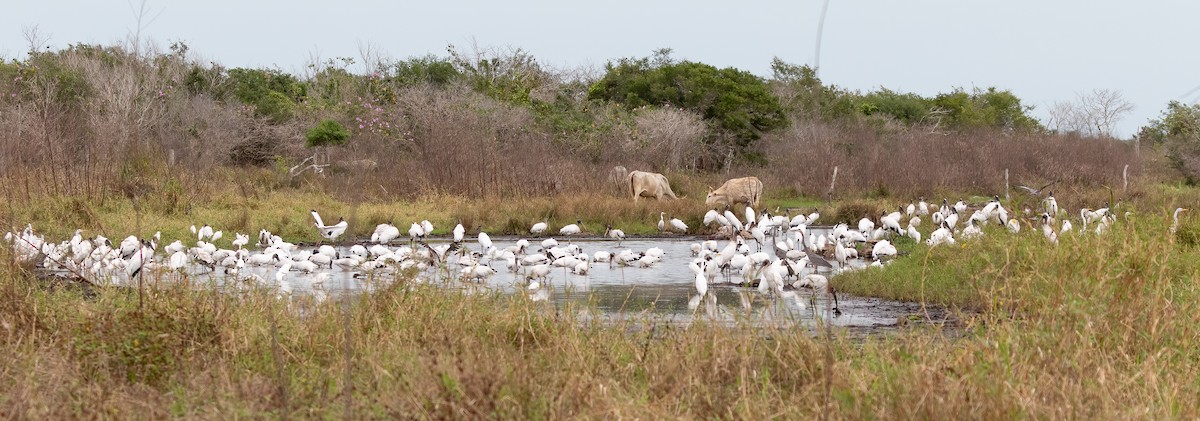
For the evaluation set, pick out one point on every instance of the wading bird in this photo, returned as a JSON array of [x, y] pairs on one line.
[[678, 225], [538, 228], [332, 232], [613, 233], [571, 229], [1175, 219]]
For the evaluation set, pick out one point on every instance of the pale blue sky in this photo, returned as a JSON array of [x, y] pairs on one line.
[[1042, 51]]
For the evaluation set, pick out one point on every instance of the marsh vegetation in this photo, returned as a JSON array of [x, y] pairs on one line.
[[120, 143]]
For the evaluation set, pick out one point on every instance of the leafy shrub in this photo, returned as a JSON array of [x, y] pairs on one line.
[[272, 92], [991, 108], [327, 133], [276, 107], [429, 69], [735, 102], [1179, 131]]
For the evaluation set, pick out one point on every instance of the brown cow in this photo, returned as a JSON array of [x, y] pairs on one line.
[[746, 190], [649, 184]]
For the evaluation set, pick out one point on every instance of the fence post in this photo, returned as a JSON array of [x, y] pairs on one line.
[[832, 182], [1125, 177]]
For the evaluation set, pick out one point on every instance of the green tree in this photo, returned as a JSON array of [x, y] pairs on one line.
[[273, 93], [907, 108], [326, 133], [991, 108], [800, 91], [1178, 130], [735, 103]]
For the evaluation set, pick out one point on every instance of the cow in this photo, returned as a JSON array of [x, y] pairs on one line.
[[746, 190], [648, 184]]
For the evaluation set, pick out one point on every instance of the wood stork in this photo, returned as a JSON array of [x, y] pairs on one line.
[[332, 232], [538, 228], [385, 233], [613, 233], [571, 229], [459, 233]]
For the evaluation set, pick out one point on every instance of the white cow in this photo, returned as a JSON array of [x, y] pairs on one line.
[[648, 184], [746, 190]]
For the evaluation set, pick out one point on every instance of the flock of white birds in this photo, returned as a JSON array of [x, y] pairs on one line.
[[774, 253]]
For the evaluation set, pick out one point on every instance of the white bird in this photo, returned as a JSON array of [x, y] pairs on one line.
[[204, 232], [1051, 205], [701, 279], [614, 233], [177, 261], [571, 229], [678, 225], [1013, 225], [960, 207], [662, 223], [538, 228], [922, 207], [942, 235], [1048, 230], [240, 240], [1175, 219], [913, 233], [733, 220], [883, 248], [331, 232], [485, 241], [602, 256], [385, 233], [866, 225], [812, 217], [459, 232]]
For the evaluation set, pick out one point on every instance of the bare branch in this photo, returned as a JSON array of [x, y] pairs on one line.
[[34, 38]]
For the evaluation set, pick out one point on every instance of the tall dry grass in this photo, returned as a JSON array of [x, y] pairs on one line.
[[912, 162]]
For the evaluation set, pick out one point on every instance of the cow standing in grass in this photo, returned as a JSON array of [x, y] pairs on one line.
[[746, 190], [648, 184]]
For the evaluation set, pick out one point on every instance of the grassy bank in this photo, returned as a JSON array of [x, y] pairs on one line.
[[247, 200], [1095, 327], [1092, 338]]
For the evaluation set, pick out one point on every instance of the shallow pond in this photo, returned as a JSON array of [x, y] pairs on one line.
[[662, 292]]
